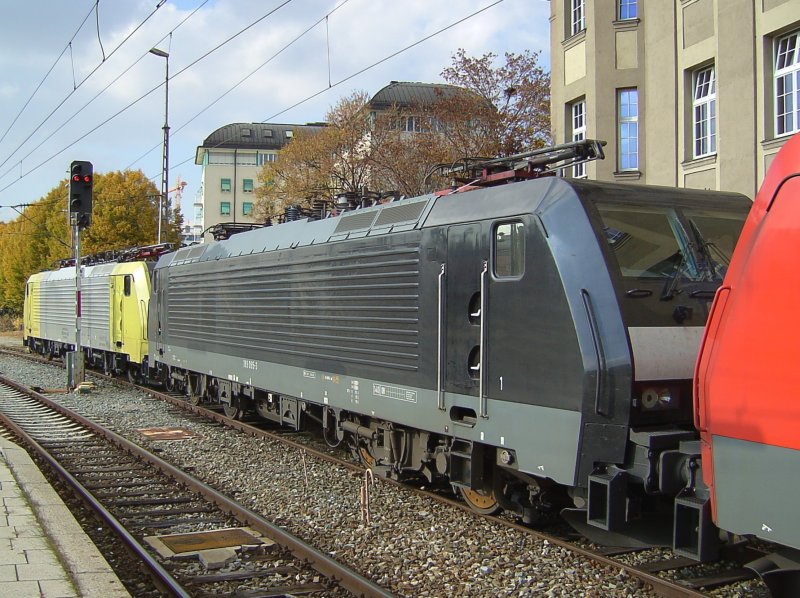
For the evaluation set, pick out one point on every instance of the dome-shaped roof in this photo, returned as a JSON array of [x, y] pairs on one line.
[[255, 135], [405, 94]]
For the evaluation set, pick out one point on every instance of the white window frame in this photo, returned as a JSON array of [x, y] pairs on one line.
[[578, 115], [787, 84], [626, 5], [577, 16], [628, 129], [704, 112]]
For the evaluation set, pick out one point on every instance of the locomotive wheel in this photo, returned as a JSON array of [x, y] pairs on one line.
[[133, 376], [485, 504]]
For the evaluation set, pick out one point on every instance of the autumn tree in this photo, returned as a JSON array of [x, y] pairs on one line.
[[124, 214], [519, 90], [407, 141], [319, 165], [483, 111]]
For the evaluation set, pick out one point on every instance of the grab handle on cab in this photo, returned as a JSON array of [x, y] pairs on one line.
[[599, 407]]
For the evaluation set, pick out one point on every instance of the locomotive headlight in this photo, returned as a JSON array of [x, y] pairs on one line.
[[661, 398]]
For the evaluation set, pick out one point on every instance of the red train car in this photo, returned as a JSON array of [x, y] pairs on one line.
[[747, 377]]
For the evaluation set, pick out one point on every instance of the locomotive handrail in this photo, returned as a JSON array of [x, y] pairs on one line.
[[599, 354], [482, 361], [778, 188], [440, 341]]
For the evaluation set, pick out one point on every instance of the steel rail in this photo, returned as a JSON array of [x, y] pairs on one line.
[[161, 576], [663, 587], [327, 566]]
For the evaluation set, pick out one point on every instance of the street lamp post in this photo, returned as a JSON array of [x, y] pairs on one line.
[[162, 202]]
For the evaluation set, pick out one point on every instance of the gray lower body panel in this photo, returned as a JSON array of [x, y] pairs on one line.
[[755, 486], [546, 440]]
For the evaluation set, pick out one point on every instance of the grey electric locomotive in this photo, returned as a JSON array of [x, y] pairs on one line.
[[532, 343]]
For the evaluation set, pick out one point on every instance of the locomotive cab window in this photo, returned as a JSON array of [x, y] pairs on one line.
[[660, 242], [126, 285], [509, 250]]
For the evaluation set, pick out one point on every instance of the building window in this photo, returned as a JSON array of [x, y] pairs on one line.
[[264, 158], [225, 208], [289, 134], [628, 115], [247, 132], [578, 15], [627, 9], [247, 208], [246, 158], [787, 84], [704, 105], [247, 185], [225, 185], [579, 134], [220, 157]]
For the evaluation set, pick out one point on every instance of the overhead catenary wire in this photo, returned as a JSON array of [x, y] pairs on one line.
[[77, 86], [300, 102], [242, 80], [47, 74], [362, 71], [102, 91], [140, 98]]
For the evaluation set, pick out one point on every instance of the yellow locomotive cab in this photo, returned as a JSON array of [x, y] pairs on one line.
[[114, 303]]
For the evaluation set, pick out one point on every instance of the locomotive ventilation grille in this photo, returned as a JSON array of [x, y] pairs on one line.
[[361, 308]]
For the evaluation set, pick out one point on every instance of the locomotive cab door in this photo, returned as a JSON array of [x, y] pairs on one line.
[[467, 256], [125, 320]]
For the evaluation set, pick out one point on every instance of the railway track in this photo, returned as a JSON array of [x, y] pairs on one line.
[[657, 569], [168, 519]]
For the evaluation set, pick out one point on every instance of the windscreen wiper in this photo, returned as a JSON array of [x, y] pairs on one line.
[[669, 291]]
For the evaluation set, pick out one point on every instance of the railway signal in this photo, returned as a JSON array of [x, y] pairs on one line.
[[80, 193], [81, 180]]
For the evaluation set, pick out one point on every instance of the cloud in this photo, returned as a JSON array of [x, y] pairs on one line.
[[358, 34]]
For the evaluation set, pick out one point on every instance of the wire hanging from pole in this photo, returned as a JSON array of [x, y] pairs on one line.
[[328, 40], [97, 20], [72, 62]]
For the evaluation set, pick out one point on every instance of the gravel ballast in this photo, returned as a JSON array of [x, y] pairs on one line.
[[410, 545]]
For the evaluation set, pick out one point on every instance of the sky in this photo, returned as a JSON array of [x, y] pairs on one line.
[[78, 81]]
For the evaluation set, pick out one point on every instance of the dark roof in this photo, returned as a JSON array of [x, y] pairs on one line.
[[405, 94], [253, 136]]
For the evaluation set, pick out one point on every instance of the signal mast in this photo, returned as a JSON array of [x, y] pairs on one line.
[[80, 216]]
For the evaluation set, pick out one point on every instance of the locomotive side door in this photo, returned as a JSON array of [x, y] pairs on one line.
[[116, 311], [467, 256]]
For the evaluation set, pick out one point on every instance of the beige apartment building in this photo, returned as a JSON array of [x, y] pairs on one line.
[[687, 93], [232, 157]]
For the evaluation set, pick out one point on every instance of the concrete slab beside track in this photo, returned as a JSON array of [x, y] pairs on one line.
[[43, 550]]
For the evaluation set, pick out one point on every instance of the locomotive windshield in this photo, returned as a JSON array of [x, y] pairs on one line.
[[664, 242]]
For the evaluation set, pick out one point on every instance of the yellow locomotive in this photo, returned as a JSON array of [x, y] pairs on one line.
[[115, 298]]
